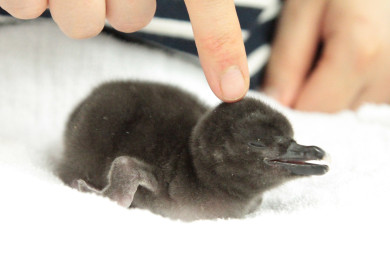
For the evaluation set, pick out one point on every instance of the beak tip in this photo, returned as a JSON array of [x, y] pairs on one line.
[[318, 152], [327, 158]]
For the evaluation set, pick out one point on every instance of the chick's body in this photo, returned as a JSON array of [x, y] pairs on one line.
[[198, 157]]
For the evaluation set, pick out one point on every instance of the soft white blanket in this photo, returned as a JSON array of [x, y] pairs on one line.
[[341, 215]]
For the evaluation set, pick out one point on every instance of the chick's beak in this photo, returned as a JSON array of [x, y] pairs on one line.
[[296, 158]]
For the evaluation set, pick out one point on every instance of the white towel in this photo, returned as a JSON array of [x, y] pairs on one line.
[[341, 215]]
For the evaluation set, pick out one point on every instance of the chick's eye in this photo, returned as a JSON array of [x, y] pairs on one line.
[[257, 143]]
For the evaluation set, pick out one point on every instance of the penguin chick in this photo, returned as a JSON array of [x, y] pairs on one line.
[[156, 147]]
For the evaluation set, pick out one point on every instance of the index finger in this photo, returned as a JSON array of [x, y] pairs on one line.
[[220, 47]]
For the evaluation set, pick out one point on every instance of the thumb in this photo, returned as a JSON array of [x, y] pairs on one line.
[[220, 46], [293, 49]]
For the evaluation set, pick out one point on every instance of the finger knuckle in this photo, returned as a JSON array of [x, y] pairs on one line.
[[222, 46]]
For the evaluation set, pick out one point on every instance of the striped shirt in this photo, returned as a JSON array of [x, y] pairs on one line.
[[171, 27]]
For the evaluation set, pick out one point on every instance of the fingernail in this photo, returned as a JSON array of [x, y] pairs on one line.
[[232, 84]]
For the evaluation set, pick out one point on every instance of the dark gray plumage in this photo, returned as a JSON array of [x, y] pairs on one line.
[[151, 146]]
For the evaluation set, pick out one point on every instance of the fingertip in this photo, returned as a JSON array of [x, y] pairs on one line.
[[233, 85], [85, 32], [130, 16], [283, 80], [29, 10], [272, 92], [280, 94], [79, 19], [220, 47], [293, 50], [128, 27]]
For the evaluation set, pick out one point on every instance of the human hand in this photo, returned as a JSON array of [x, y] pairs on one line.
[[215, 24], [354, 65]]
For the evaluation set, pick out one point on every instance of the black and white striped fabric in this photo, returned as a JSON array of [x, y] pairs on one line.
[[171, 28]]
